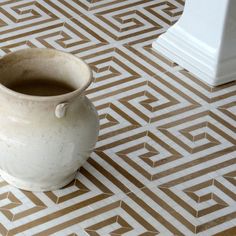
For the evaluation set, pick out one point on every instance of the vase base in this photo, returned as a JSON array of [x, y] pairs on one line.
[[29, 186]]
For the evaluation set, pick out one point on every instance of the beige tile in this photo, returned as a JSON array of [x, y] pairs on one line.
[[165, 160]]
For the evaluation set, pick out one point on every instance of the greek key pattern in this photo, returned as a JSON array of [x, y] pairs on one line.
[[165, 161]]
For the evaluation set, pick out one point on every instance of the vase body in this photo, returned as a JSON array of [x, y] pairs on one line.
[[45, 139]]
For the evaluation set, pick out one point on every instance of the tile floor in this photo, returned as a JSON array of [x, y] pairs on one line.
[[165, 161]]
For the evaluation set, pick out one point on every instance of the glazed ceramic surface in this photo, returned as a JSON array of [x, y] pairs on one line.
[[203, 43], [44, 140]]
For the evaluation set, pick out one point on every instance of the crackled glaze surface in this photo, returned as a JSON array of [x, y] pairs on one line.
[[44, 139]]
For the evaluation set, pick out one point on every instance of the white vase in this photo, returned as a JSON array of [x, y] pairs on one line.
[[44, 139]]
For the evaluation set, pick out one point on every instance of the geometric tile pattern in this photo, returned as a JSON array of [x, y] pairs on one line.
[[165, 161]]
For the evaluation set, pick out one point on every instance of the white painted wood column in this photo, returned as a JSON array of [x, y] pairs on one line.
[[203, 41]]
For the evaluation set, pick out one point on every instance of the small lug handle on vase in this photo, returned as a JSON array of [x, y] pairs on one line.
[[61, 109]]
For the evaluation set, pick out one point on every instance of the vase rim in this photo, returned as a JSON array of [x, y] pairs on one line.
[[61, 97]]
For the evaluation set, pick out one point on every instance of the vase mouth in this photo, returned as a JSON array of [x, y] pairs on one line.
[[59, 66]]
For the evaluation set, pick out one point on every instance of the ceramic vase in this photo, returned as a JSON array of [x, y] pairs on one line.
[[45, 139]]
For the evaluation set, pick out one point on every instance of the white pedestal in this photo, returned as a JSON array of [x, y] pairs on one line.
[[204, 40]]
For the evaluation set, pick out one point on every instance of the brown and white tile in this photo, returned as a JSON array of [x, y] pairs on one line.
[[165, 160]]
